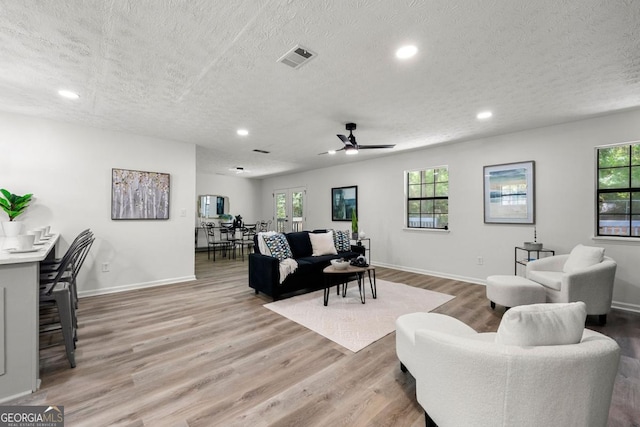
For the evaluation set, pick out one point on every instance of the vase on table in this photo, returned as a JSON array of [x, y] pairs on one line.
[[11, 230]]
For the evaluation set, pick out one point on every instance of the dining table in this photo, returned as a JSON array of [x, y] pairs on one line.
[[20, 316], [235, 233]]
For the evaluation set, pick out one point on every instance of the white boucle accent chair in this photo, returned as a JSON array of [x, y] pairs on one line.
[[583, 275], [542, 368]]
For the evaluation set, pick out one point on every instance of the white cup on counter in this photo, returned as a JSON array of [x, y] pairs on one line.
[[37, 233], [24, 242], [45, 230]]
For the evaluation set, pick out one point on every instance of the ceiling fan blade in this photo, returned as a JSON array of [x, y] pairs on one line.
[[326, 152], [365, 147], [344, 139]]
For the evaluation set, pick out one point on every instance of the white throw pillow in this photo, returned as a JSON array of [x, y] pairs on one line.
[[543, 324], [582, 257], [322, 244]]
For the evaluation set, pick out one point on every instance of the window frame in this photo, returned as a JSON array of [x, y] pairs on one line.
[[434, 198], [629, 189]]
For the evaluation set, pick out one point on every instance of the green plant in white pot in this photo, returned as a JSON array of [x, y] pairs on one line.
[[14, 206]]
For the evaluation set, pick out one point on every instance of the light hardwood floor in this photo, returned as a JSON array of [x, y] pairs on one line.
[[206, 353]]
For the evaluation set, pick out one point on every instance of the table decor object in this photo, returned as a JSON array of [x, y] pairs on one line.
[[340, 264], [533, 246], [14, 206]]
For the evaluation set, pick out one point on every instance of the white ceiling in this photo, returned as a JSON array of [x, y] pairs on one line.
[[197, 70]]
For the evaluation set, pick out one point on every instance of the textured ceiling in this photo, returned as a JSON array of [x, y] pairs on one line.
[[197, 70]]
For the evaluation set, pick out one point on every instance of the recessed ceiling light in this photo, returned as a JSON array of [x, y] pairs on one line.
[[406, 52], [242, 132], [331, 152], [68, 94], [484, 115]]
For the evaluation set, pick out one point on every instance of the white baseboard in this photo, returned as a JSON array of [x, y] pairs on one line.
[[625, 306], [432, 273], [134, 286], [16, 396], [615, 304]]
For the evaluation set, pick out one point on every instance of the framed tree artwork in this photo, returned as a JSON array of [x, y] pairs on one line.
[[139, 195]]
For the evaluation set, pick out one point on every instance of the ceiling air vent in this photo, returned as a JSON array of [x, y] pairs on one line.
[[297, 57]]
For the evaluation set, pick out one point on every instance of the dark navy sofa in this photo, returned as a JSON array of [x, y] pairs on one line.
[[264, 271]]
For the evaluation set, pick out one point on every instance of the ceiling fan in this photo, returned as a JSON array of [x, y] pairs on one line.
[[350, 144]]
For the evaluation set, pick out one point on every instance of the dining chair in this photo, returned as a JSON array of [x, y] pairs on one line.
[[246, 241], [69, 275], [264, 225], [48, 269], [214, 244], [57, 310], [228, 234], [53, 262]]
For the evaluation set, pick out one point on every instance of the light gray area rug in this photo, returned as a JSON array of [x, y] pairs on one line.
[[352, 324]]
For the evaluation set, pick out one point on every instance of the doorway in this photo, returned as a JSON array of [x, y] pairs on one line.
[[289, 209]]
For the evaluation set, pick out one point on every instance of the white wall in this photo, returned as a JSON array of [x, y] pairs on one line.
[[68, 169], [565, 211]]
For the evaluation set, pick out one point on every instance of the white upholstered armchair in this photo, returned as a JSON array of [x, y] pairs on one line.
[[542, 368], [583, 275]]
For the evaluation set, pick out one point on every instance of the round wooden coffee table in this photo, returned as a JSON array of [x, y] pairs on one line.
[[335, 276]]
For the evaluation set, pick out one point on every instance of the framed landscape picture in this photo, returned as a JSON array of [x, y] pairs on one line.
[[139, 195], [509, 193], [344, 201]]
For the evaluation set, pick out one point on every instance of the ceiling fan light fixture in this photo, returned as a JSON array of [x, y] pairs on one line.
[[351, 146], [406, 52]]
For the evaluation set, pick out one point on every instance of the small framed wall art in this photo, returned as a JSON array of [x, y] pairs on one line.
[[139, 195], [509, 193], [344, 201]]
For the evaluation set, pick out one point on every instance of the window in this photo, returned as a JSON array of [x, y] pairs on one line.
[[428, 198], [618, 191]]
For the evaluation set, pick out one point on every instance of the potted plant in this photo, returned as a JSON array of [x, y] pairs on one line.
[[354, 225], [14, 206]]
